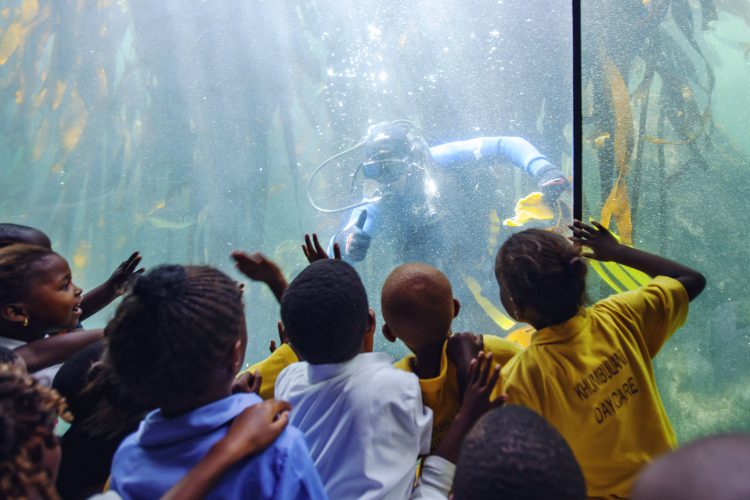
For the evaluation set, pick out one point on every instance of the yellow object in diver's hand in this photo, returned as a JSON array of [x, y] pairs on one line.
[[530, 208]]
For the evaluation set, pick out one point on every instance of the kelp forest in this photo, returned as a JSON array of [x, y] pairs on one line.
[[186, 129]]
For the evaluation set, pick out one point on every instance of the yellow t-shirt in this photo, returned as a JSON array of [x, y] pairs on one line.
[[592, 379], [440, 394], [270, 368]]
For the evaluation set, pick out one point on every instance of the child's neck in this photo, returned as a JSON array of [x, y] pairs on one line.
[[219, 391], [426, 363], [539, 322]]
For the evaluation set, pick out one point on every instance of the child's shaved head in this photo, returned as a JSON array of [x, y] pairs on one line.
[[418, 306], [715, 467]]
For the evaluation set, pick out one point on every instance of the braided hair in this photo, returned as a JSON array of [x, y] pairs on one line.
[[18, 262], [28, 412], [544, 271], [175, 329]]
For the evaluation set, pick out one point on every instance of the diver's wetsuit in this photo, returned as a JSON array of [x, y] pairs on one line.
[[451, 156]]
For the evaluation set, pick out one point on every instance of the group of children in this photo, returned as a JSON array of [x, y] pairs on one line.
[[161, 409]]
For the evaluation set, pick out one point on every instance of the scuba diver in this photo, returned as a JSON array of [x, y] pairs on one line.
[[403, 201]]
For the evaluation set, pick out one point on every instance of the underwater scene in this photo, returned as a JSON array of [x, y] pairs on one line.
[[410, 130]]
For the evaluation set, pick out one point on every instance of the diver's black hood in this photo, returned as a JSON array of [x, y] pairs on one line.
[[387, 137]]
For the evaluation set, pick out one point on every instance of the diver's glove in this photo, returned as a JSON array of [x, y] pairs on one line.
[[356, 239], [552, 183]]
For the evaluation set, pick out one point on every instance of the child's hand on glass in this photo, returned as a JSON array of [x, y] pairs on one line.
[[257, 267], [598, 239], [124, 275], [314, 251]]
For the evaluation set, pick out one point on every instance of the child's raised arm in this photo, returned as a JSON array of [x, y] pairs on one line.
[[104, 294], [481, 380], [258, 267], [605, 247], [43, 353]]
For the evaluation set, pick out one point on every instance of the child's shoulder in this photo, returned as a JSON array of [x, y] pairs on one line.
[[404, 363], [500, 346]]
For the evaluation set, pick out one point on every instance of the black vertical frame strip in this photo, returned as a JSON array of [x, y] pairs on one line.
[[577, 114]]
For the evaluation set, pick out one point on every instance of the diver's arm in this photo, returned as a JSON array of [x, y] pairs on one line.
[[516, 150]]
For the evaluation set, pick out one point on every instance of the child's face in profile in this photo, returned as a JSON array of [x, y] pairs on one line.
[[53, 300]]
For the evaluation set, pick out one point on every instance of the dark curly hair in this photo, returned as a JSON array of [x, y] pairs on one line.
[[177, 326], [544, 271], [512, 452], [28, 413], [325, 312]]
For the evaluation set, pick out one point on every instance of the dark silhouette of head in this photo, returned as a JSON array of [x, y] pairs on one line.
[[714, 467], [177, 336], [325, 312], [513, 453]]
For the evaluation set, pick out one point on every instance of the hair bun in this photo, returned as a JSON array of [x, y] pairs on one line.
[[160, 284]]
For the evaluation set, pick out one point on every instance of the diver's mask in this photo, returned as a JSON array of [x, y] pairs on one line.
[[386, 171]]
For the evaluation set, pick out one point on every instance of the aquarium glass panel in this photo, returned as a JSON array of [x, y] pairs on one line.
[[665, 108], [187, 129]]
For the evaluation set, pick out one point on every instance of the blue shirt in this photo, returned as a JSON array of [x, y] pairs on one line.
[[163, 450]]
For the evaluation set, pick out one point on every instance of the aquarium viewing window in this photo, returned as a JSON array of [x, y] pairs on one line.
[[186, 130]]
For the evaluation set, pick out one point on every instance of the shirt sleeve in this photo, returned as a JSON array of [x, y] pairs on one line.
[[436, 479], [656, 310], [270, 368], [503, 351]]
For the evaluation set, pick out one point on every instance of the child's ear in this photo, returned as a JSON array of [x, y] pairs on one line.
[[368, 341], [238, 355], [388, 334], [456, 307], [15, 313]]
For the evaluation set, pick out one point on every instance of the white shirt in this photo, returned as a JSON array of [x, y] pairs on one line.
[[44, 376], [436, 479], [363, 421]]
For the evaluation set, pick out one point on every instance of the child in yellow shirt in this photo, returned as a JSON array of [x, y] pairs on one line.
[[588, 371], [418, 307]]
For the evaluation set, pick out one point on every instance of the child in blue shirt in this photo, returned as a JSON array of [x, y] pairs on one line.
[[177, 342]]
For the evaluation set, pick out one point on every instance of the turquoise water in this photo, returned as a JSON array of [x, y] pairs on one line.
[[186, 129]]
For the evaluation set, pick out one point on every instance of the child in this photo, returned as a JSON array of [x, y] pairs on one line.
[[418, 308], [588, 370], [362, 418], [177, 341], [514, 453], [715, 467], [37, 295], [96, 299], [30, 455]]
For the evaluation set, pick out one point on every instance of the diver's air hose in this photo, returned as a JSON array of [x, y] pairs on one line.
[[319, 168]]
